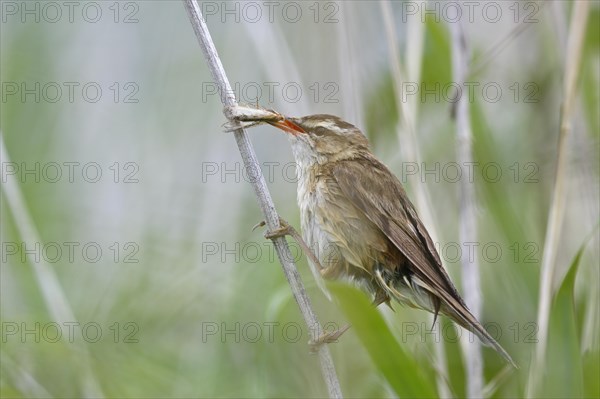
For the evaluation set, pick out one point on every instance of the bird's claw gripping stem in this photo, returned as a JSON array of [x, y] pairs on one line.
[[327, 338], [287, 230], [284, 230]]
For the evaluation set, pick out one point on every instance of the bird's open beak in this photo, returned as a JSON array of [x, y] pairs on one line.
[[287, 126]]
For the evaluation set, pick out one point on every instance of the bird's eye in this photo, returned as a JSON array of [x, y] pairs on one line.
[[322, 131]]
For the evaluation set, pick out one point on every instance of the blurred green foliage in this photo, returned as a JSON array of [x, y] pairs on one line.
[[205, 310]]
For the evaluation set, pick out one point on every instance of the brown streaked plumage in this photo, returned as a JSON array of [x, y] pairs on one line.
[[358, 220]]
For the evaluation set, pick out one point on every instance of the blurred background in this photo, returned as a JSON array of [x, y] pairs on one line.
[[129, 268]]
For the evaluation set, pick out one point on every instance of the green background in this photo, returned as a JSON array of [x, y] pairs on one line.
[[184, 299]]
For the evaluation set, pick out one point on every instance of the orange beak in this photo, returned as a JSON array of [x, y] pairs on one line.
[[288, 126]]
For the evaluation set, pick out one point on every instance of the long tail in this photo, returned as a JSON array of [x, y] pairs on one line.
[[415, 293], [463, 317], [453, 306]]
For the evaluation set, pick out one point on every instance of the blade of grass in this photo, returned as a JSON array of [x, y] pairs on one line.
[[54, 297], [401, 371], [564, 371], [591, 371], [557, 208]]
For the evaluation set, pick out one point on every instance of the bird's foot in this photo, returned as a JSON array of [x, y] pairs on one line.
[[327, 338], [287, 230]]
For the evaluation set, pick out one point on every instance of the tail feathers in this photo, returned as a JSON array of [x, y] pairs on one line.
[[465, 319], [414, 292]]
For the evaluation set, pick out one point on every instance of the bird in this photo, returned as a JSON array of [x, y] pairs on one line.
[[357, 218]]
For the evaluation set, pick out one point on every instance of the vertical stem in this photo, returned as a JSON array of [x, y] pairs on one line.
[[467, 214], [264, 198], [557, 207]]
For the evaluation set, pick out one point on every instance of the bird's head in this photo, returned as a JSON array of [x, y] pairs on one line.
[[323, 138]]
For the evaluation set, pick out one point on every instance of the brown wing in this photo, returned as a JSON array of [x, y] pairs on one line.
[[383, 200]]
